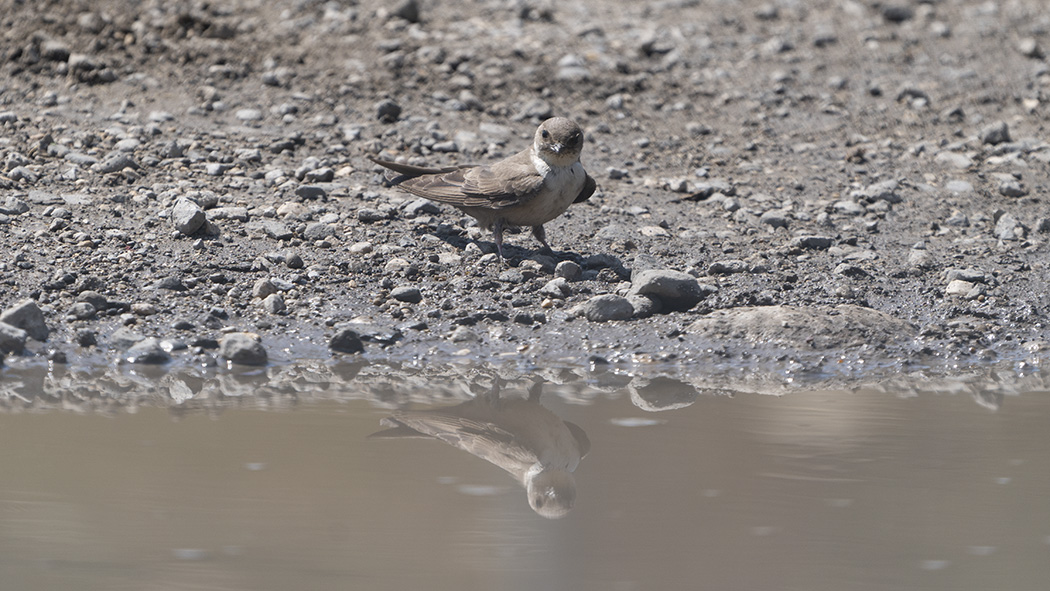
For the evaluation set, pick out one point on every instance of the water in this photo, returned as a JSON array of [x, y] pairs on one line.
[[269, 481]]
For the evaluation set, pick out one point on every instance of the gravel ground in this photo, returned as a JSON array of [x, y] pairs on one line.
[[819, 188]]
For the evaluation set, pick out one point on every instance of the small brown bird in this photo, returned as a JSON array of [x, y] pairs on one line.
[[529, 188]]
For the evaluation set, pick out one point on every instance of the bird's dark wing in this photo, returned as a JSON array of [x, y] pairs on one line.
[[588, 189]]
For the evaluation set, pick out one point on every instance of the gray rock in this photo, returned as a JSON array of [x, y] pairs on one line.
[[408, 10], [249, 114], [882, 191], [274, 304], [12, 339], [123, 338], [958, 287], [1008, 228], [170, 284], [1012, 188], [187, 217], [263, 287], [959, 186], [996, 133], [606, 307], [86, 337], [388, 111], [115, 163], [775, 218], [676, 291], [346, 340], [408, 294], [277, 230], [644, 306], [14, 206], [462, 334], [147, 351], [83, 311], [243, 348], [557, 288], [310, 192], [27, 316], [953, 160], [971, 275], [318, 231], [727, 267], [568, 270], [812, 242]]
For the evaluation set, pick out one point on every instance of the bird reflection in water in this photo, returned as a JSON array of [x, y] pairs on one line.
[[517, 434]]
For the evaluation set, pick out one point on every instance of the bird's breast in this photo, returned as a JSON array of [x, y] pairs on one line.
[[561, 186]]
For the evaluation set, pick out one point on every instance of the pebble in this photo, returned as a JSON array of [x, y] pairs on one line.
[[775, 218], [813, 242], [557, 288], [462, 334], [1008, 228], [959, 186], [408, 294], [14, 206], [674, 290], [262, 288], [727, 267], [1012, 188], [86, 337], [605, 308], [123, 338], [995, 133], [187, 217], [143, 309], [318, 231], [115, 163], [346, 340], [277, 230], [568, 270], [954, 159], [243, 348], [388, 111], [274, 304], [249, 114], [970, 275], [147, 351], [82, 311], [27, 316]]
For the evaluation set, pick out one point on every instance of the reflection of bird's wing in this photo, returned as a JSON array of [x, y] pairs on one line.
[[582, 441], [485, 440], [588, 189], [504, 184]]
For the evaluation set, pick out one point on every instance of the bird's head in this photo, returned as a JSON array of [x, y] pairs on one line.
[[552, 493], [559, 141]]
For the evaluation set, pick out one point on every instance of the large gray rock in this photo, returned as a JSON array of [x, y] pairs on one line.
[[244, 348], [148, 351], [674, 290], [27, 316]]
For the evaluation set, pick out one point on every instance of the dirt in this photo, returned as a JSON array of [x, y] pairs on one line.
[[871, 176]]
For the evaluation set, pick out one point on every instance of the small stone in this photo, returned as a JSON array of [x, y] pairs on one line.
[[813, 242], [310, 192], [408, 294], [115, 163], [123, 338], [170, 284], [27, 316], [959, 186], [1012, 188], [82, 311], [143, 309], [727, 267], [606, 307], [557, 288], [244, 348], [568, 270], [996, 133], [388, 111], [1008, 228], [954, 160], [644, 306], [1029, 47], [249, 114], [274, 304], [346, 340], [970, 275], [187, 217], [147, 351], [262, 288], [775, 218], [462, 334], [958, 287], [318, 231], [897, 13], [86, 337], [674, 290]]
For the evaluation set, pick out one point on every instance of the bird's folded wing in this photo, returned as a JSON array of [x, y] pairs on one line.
[[588, 189], [485, 440]]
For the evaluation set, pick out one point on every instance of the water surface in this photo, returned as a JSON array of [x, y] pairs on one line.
[[247, 482]]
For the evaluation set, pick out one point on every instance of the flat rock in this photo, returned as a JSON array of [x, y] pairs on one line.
[[606, 307], [841, 327], [676, 291]]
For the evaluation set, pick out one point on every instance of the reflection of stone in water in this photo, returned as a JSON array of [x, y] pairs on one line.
[[661, 393], [517, 434]]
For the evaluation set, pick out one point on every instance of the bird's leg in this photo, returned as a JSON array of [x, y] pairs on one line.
[[541, 235], [497, 232]]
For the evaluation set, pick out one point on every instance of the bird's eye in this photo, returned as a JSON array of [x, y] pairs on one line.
[[546, 134]]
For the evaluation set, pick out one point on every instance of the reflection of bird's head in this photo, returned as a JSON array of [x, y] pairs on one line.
[[559, 141], [552, 493]]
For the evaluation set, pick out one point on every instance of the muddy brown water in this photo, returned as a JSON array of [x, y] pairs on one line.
[[117, 480]]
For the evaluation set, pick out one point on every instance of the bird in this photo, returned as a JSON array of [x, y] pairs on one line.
[[529, 188], [517, 434]]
